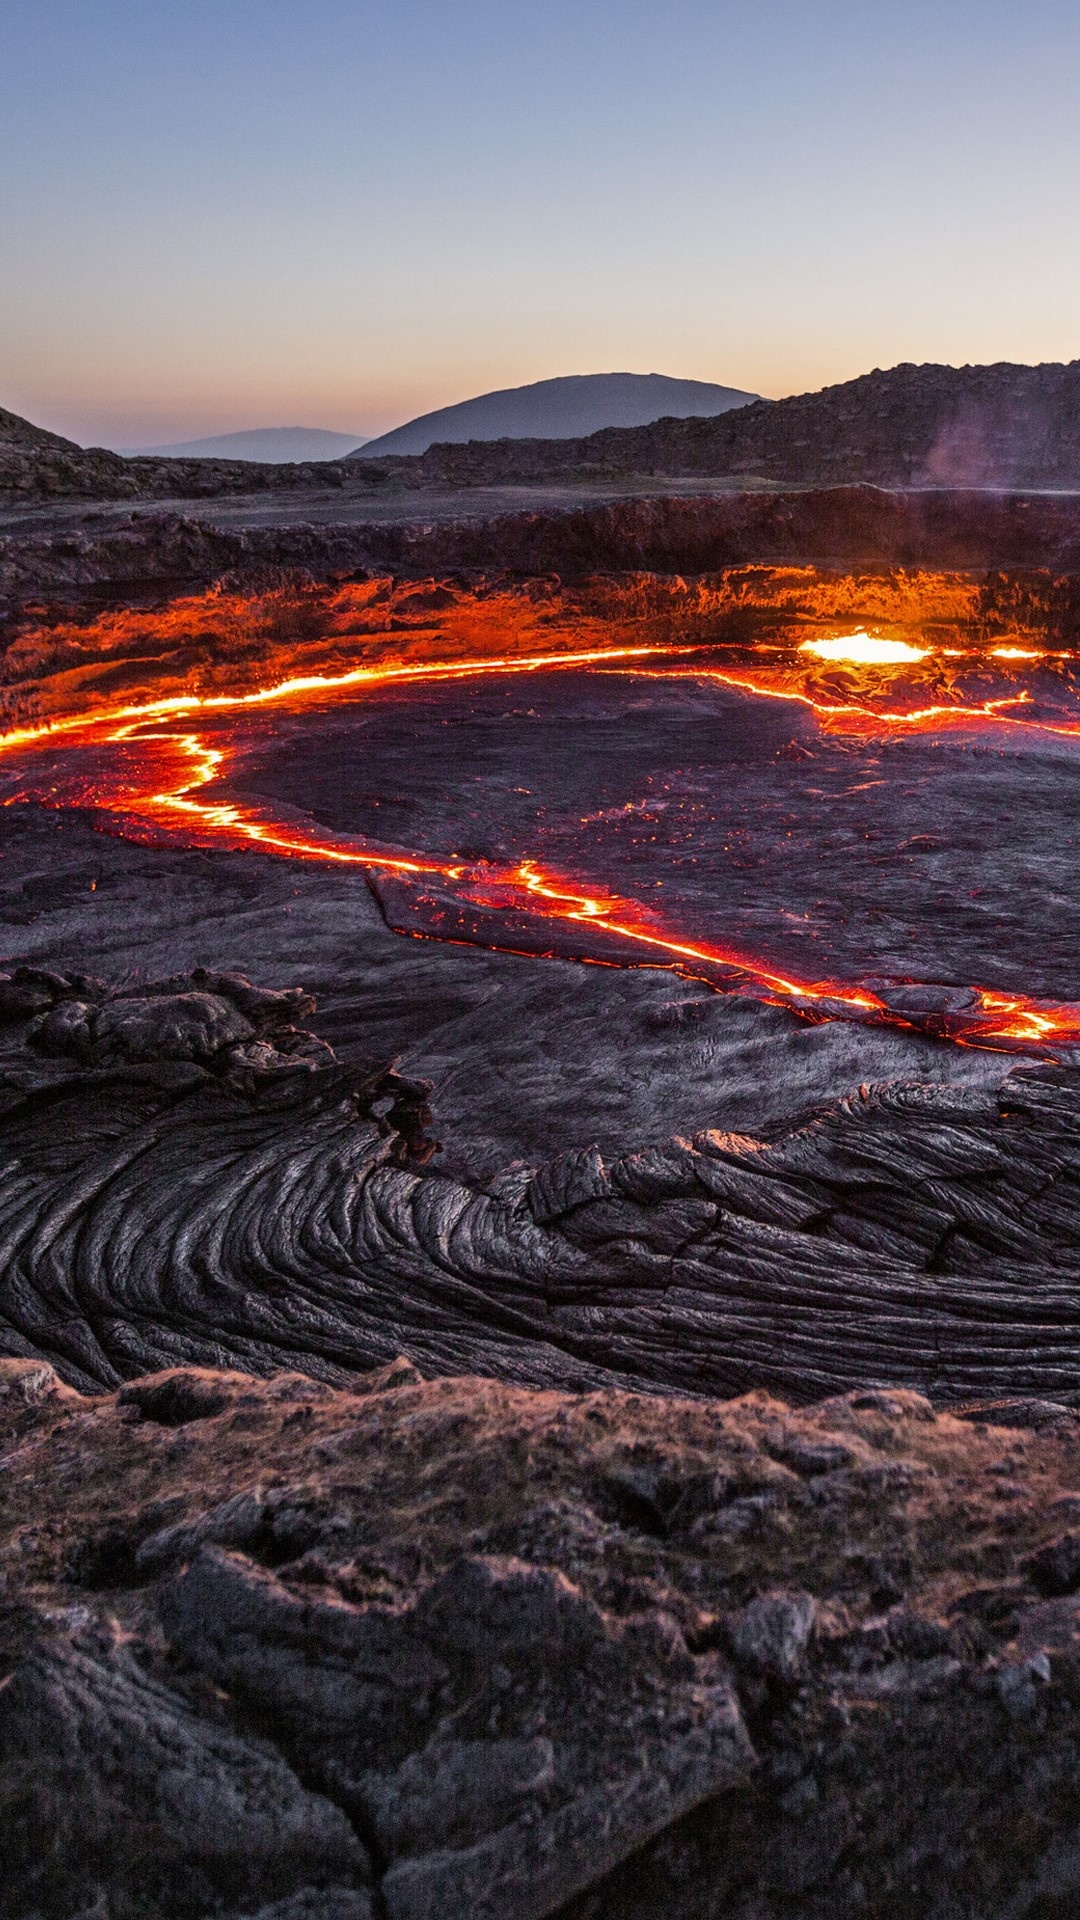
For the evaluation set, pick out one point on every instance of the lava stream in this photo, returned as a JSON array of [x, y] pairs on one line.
[[990, 1019]]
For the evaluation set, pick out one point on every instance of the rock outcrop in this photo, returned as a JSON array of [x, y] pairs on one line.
[[39, 466], [452, 1650]]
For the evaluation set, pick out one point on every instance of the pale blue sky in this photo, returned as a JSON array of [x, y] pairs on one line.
[[228, 213]]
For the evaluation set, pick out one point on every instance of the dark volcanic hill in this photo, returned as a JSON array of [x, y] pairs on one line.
[[17, 432], [35, 462], [581, 403], [1003, 425]]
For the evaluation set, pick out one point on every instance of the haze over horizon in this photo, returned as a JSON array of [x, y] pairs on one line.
[[222, 217]]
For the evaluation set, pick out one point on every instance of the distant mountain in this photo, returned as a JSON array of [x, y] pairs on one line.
[[268, 445], [928, 426], [559, 410]]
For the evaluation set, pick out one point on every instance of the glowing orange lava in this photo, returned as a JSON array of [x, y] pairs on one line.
[[865, 650], [165, 765]]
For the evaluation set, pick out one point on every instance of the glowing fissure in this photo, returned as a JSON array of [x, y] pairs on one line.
[[849, 710], [995, 1019], [179, 704]]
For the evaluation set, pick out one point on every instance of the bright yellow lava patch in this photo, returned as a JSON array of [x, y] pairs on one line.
[[865, 650]]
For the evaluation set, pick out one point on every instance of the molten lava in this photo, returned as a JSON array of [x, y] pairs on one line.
[[865, 650], [149, 764]]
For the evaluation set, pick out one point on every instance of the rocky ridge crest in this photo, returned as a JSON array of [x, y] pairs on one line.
[[928, 426]]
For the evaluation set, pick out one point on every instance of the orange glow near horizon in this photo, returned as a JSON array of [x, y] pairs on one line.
[[159, 779]]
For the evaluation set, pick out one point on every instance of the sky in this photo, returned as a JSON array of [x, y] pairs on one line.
[[217, 214]]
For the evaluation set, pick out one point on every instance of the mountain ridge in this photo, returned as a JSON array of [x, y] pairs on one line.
[[269, 446], [568, 407], [1003, 427]]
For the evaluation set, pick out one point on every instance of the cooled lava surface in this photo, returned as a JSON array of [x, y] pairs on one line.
[[807, 1120]]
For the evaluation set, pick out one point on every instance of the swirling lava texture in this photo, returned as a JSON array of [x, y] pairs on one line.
[[195, 1198], [205, 1188]]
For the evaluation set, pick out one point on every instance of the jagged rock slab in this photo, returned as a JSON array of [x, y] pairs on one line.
[[561, 1743], [97, 1758]]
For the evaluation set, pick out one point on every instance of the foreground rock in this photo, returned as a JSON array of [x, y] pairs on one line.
[[457, 1649]]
